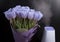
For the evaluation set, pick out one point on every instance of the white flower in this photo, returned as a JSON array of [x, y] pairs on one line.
[[31, 14], [10, 14], [38, 15]]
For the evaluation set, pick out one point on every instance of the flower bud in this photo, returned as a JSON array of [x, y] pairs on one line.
[[10, 14], [17, 8], [24, 11], [38, 15], [31, 14]]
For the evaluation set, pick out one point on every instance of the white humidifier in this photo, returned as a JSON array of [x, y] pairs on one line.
[[49, 34]]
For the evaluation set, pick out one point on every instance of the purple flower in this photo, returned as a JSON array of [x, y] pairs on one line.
[[38, 15], [10, 14], [24, 11], [16, 8], [31, 14], [21, 11]]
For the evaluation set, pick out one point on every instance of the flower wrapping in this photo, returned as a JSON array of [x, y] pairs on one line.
[[24, 36]]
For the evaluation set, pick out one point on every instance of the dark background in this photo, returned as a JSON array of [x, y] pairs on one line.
[[6, 33]]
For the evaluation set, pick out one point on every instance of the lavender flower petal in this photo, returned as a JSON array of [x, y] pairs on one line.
[[24, 11], [17, 8], [31, 14], [38, 15], [10, 14]]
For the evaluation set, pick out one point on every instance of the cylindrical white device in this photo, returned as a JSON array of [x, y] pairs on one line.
[[49, 34]]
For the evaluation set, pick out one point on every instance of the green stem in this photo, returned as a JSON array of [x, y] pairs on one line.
[[30, 24], [14, 24], [33, 23], [27, 23], [24, 23]]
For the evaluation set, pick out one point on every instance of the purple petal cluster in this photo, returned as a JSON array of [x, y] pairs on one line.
[[31, 14], [24, 12], [38, 15], [10, 14]]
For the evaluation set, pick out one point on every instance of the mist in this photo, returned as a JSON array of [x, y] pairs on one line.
[[46, 6]]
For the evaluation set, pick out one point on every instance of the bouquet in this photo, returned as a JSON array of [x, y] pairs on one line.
[[23, 22]]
